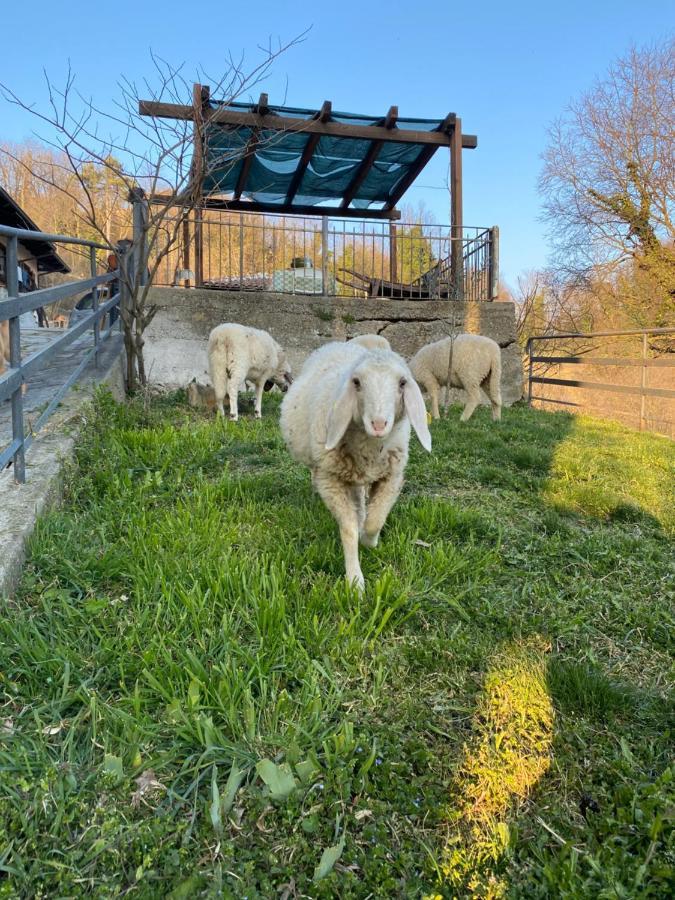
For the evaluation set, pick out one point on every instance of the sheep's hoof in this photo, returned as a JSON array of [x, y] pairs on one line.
[[357, 582], [258, 415], [234, 418]]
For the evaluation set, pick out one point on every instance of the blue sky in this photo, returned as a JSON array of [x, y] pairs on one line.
[[507, 68]]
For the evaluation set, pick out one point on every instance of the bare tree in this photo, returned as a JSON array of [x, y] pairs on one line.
[[134, 156], [608, 180]]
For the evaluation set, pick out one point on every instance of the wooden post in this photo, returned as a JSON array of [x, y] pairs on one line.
[[393, 260], [494, 262], [199, 248], [643, 381], [530, 368], [186, 247], [456, 214], [324, 254], [200, 105]]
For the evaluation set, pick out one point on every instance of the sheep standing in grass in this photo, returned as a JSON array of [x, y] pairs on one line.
[[476, 362], [237, 354], [371, 341], [348, 417]]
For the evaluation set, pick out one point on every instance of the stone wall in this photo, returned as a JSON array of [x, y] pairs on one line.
[[176, 339]]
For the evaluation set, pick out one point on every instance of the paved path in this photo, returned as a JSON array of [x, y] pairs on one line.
[[43, 385]]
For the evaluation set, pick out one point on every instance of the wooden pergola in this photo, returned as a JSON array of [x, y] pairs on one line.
[[370, 146]]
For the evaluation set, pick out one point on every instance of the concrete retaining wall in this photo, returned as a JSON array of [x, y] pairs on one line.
[[176, 338]]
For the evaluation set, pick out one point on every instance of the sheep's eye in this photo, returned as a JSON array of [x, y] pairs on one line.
[[402, 383], [356, 382]]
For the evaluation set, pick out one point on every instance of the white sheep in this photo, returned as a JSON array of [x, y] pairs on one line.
[[347, 416], [238, 353], [476, 363], [371, 341]]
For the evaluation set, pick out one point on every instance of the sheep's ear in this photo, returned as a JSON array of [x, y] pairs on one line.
[[417, 413], [341, 414]]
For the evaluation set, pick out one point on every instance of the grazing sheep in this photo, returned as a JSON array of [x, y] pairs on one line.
[[237, 354], [371, 341], [476, 363], [348, 417]]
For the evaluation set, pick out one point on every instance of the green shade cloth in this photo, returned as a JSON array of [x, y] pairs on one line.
[[333, 165]]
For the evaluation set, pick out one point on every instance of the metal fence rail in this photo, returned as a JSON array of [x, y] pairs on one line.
[[329, 257], [644, 362], [11, 308]]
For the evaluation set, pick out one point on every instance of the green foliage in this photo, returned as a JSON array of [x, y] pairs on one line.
[[415, 253], [194, 704]]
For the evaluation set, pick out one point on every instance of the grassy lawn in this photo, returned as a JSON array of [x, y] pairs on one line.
[[195, 705]]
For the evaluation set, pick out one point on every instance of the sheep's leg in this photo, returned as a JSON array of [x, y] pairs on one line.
[[473, 399], [339, 498], [359, 495], [432, 388], [259, 387], [233, 394], [383, 495], [219, 380]]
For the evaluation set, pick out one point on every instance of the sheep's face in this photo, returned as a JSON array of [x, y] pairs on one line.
[[282, 377], [376, 394]]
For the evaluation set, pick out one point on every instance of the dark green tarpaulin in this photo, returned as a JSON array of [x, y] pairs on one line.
[[333, 164]]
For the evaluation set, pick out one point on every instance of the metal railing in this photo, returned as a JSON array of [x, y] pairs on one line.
[[330, 257], [14, 305], [657, 353]]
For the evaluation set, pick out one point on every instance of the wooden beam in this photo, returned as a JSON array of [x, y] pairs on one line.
[[272, 122], [366, 164], [246, 162], [200, 102], [283, 209], [323, 115], [424, 156], [249, 153], [456, 212]]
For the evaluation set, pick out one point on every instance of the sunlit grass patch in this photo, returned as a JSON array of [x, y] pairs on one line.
[[603, 469], [509, 752]]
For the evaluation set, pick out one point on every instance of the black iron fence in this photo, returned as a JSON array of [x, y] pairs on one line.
[[642, 369], [14, 305], [330, 257]]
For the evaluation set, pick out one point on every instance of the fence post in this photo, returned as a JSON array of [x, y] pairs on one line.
[[324, 254], [124, 259], [494, 262], [393, 262], [643, 381], [94, 305], [241, 250], [529, 377], [12, 262]]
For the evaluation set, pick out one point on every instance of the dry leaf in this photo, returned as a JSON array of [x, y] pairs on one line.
[[7, 726], [422, 543], [52, 729], [146, 784], [362, 813]]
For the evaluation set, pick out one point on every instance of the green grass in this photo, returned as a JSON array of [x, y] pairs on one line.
[[195, 705]]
